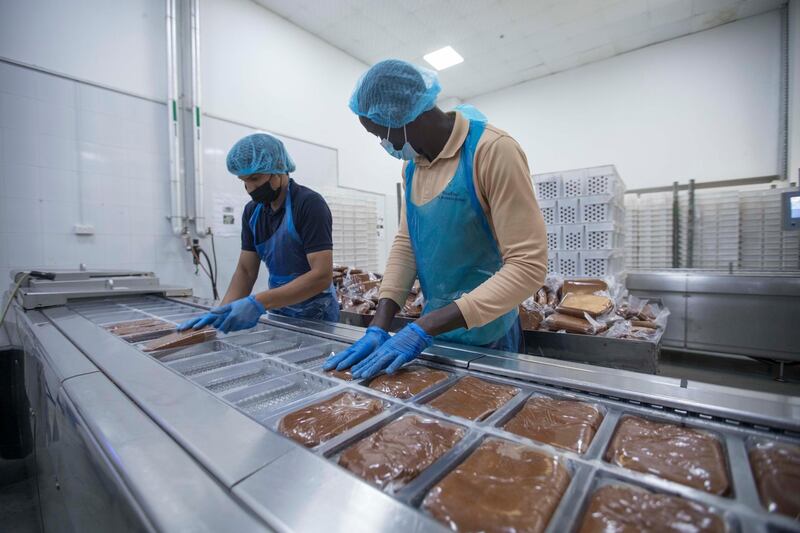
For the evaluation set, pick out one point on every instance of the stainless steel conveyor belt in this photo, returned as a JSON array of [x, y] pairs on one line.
[[185, 438]]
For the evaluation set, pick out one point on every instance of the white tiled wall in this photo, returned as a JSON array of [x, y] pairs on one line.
[[74, 153]]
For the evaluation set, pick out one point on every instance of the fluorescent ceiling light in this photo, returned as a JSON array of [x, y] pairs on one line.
[[443, 58]]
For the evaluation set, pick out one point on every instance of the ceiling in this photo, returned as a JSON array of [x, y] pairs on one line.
[[505, 42]]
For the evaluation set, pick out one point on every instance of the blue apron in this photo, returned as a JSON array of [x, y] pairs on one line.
[[286, 260], [456, 251]]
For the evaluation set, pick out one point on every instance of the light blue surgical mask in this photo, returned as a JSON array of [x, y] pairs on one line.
[[407, 153]]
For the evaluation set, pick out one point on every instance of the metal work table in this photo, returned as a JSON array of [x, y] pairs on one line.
[[750, 314], [185, 439]]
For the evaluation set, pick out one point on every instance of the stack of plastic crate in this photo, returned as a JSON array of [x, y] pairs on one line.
[[763, 245], [716, 230], [653, 221], [585, 216], [631, 232], [355, 236]]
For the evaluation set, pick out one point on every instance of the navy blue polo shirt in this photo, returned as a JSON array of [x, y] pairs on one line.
[[312, 220]]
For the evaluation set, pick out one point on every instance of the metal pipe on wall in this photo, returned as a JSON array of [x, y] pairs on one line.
[[177, 211], [197, 146]]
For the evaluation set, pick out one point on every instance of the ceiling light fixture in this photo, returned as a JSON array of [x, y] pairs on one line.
[[443, 58]]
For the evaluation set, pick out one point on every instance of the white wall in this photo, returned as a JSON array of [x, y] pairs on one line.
[[703, 106], [794, 92], [67, 147], [260, 69], [117, 44]]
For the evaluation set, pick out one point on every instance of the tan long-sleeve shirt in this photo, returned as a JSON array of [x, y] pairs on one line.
[[504, 189]]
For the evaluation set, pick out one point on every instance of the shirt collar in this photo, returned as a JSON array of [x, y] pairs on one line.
[[453, 144]]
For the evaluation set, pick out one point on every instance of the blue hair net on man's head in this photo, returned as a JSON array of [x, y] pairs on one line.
[[393, 93], [259, 153]]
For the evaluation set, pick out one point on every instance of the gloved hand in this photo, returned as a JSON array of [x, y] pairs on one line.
[[198, 321], [405, 346], [240, 314], [364, 346]]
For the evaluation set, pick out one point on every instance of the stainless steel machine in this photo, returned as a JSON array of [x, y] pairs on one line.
[[186, 439]]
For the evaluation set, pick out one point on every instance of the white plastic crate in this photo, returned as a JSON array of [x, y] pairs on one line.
[[572, 237], [568, 264], [572, 183], [568, 211], [552, 261], [598, 264], [548, 186], [553, 237], [606, 236], [549, 209], [603, 180], [600, 208]]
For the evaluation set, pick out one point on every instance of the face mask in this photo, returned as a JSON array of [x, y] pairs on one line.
[[265, 194], [407, 153]]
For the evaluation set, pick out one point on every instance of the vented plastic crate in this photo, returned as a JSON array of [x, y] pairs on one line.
[[548, 186], [572, 237], [568, 211], [572, 183], [549, 209], [600, 263], [553, 237], [568, 264], [552, 262], [606, 236], [600, 208], [603, 180]]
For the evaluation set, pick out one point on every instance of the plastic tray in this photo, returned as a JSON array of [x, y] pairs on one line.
[[312, 356], [242, 375], [259, 401], [199, 364]]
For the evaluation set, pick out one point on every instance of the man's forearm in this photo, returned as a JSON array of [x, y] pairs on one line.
[[299, 289], [240, 286], [442, 320]]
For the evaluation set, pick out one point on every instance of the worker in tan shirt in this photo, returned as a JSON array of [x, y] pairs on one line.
[[470, 228]]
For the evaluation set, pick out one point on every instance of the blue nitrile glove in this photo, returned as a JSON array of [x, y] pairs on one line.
[[364, 346], [405, 346], [240, 314], [198, 321]]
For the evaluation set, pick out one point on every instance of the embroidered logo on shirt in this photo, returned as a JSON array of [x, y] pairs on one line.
[[454, 196]]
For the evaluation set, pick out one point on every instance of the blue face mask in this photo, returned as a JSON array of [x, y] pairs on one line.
[[407, 153]]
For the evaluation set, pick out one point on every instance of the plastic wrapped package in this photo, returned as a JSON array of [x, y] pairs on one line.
[[624, 508], [568, 424], [573, 324], [684, 455], [145, 325], [398, 452], [579, 304], [501, 486], [776, 470], [531, 314], [473, 398], [316, 423], [414, 304], [583, 286], [180, 339], [408, 381]]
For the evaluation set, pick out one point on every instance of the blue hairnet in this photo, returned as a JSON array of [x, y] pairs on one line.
[[259, 153], [393, 93]]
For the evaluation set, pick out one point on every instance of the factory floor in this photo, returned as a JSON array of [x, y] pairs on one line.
[[18, 510], [732, 371]]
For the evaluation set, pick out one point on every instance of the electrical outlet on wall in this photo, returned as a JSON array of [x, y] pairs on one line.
[[83, 229]]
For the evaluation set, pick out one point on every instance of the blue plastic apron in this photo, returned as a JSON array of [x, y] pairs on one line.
[[455, 250], [285, 258]]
